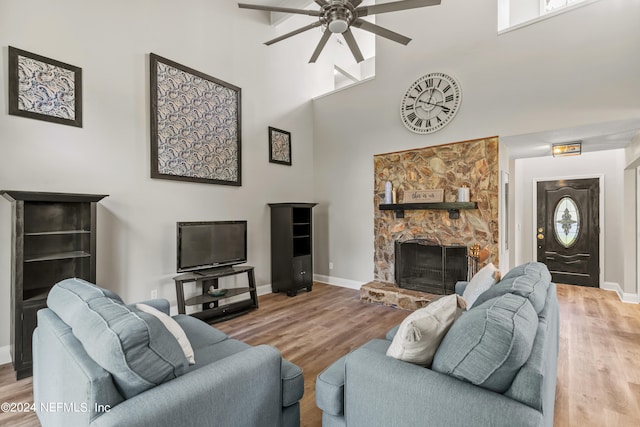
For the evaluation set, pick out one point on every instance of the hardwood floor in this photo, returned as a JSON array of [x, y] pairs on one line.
[[598, 366]]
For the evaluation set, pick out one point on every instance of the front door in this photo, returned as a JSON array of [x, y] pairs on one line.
[[568, 232]]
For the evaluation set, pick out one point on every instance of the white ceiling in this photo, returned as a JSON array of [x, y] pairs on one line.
[[594, 137], [277, 18]]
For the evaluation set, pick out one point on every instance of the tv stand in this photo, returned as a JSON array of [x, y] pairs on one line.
[[212, 311]]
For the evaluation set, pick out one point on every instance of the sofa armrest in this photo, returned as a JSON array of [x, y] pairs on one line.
[[391, 333], [381, 390], [460, 287], [243, 389], [160, 304]]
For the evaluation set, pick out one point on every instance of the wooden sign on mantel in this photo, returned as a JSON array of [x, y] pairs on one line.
[[423, 196]]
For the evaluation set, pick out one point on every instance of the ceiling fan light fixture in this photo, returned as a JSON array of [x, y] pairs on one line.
[[338, 16], [338, 26]]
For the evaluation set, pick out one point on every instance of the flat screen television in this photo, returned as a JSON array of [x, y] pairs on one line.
[[211, 244]]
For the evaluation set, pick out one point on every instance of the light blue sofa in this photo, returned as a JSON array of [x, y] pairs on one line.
[[99, 362], [495, 367]]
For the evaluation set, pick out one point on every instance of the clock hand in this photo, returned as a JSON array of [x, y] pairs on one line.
[[446, 109], [430, 95]]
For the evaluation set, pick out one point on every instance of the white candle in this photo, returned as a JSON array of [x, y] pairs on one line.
[[463, 194], [388, 188]]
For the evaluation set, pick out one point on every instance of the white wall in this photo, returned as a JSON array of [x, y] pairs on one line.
[[609, 164], [578, 68], [110, 41]]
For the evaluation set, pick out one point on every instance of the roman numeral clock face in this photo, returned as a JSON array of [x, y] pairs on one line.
[[430, 103]]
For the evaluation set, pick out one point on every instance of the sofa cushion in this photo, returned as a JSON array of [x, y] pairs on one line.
[[199, 333], [480, 282], [536, 269], [173, 327], [487, 345], [531, 286], [218, 351], [291, 374], [133, 346], [421, 332]]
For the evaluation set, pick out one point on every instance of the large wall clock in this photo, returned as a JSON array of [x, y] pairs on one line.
[[430, 103]]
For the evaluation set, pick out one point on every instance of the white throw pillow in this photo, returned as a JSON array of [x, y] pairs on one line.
[[420, 334], [174, 328], [483, 280]]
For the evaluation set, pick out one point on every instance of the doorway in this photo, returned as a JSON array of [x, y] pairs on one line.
[[568, 230]]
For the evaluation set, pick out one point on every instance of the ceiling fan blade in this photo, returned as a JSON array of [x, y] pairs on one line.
[[351, 42], [380, 31], [323, 41], [293, 33], [321, 2], [356, 3], [279, 9], [395, 6]]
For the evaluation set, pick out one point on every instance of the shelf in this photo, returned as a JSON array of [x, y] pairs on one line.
[[35, 295], [226, 312], [58, 233], [32, 196], [452, 207], [214, 273], [205, 299], [57, 256]]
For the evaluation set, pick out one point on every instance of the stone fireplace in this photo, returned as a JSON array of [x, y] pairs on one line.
[[472, 164], [427, 267]]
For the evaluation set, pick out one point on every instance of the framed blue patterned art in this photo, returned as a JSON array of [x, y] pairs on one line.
[[279, 146], [44, 89], [195, 125]]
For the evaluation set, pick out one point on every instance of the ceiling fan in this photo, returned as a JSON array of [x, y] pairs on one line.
[[338, 16]]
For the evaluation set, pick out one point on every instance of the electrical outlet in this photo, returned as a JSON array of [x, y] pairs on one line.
[[330, 266], [154, 293]]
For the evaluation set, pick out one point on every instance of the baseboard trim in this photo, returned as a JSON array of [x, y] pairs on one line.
[[264, 289], [337, 281], [5, 354], [624, 296]]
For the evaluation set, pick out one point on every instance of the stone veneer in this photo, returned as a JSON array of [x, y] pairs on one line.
[[472, 164], [393, 296]]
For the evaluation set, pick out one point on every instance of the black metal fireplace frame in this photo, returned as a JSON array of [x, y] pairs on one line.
[[422, 265]]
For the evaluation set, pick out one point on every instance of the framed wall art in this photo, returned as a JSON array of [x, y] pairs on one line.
[[195, 125], [279, 146], [44, 89]]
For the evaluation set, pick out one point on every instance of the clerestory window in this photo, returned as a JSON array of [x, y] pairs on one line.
[[513, 14]]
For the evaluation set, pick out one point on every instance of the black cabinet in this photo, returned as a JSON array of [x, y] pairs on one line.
[[291, 247], [53, 237]]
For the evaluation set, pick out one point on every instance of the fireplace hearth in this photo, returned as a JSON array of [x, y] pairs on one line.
[[424, 266]]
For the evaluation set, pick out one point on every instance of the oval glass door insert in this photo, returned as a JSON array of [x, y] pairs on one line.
[[567, 222]]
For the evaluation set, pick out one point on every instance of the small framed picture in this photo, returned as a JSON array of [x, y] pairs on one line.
[[44, 89], [279, 146]]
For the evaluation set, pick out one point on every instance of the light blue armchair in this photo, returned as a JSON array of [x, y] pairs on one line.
[[98, 362]]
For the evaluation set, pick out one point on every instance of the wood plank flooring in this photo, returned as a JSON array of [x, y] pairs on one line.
[[598, 366]]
